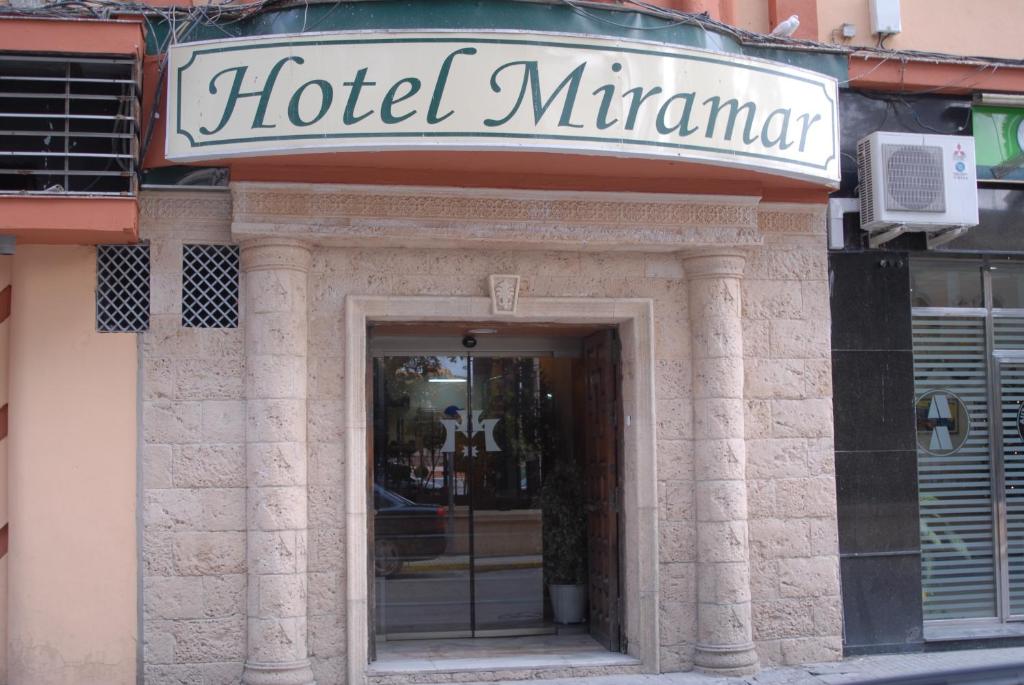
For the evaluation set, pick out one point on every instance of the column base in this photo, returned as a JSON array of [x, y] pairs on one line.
[[726, 660], [287, 673]]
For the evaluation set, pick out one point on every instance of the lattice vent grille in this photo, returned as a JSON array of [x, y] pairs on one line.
[[122, 288], [210, 286]]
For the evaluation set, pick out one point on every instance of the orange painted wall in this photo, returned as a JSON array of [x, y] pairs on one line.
[[5, 329], [751, 15], [69, 219], [113, 37], [989, 28], [878, 73], [72, 562]]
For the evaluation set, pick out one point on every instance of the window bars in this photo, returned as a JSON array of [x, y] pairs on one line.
[[122, 288], [70, 124], [209, 297]]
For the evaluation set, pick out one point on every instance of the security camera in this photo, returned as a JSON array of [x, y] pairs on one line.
[[469, 342]]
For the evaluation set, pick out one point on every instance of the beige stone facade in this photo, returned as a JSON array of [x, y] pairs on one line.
[[250, 436]]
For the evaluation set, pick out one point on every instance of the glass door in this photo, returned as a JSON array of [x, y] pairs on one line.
[[1011, 412], [968, 340], [461, 443], [508, 576], [955, 468], [421, 529]]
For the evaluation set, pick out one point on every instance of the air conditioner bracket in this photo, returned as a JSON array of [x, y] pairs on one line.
[[878, 238], [937, 239]]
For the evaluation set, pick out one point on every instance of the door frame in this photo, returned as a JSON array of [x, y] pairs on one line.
[[995, 357], [997, 438], [634, 318]]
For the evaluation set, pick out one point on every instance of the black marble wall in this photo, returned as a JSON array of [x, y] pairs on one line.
[[876, 459]]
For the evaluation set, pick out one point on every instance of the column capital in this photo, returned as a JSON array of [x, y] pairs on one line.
[[261, 254], [700, 264]]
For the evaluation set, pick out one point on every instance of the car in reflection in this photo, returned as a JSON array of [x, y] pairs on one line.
[[405, 531]]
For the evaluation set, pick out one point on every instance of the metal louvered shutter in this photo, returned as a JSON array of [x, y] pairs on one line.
[[70, 124], [955, 487], [1008, 333]]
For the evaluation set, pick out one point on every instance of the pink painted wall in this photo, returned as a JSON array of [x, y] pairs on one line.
[[72, 566], [990, 28], [5, 329]]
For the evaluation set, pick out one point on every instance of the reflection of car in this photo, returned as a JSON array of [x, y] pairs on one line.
[[405, 531]]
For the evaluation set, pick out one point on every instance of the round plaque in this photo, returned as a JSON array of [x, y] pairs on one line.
[[943, 422]]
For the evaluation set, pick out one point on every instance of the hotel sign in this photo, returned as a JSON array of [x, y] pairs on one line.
[[455, 90]]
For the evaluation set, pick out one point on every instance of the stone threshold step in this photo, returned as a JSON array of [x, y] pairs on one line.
[[401, 672]]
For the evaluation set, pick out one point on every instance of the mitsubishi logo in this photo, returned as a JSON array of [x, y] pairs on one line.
[[457, 426]]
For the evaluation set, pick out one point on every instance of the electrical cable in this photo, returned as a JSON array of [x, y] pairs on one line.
[[873, 70], [601, 20], [221, 14]]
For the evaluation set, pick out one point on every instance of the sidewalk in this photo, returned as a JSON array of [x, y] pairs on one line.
[[850, 670]]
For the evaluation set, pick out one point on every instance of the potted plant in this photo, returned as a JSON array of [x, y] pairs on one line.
[[565, 540]]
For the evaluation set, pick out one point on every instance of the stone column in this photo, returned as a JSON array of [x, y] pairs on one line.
[[275, 451], [724, 634]]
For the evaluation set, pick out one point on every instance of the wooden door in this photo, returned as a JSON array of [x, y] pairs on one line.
[[602, 412]]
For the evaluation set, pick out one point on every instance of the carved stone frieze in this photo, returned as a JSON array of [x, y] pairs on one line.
[[342, 203], [447, 217], [791, 218], [184, 206]]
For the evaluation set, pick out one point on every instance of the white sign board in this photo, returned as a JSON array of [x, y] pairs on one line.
[[455, 90]]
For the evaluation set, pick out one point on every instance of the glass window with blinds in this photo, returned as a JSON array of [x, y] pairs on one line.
[[968, 341]]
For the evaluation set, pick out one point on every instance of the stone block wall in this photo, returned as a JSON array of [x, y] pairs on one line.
[[794, 546], [192, 462], [193, 457]]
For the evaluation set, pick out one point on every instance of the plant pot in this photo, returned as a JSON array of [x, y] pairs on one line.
[[569, 603]]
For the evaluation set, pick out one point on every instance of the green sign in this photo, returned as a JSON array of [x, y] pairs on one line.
[[999, 142], [498, 90]]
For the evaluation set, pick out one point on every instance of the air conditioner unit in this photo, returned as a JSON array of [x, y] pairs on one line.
[[916, 182]]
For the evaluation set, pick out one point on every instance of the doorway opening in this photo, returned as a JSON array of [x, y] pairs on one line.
[[495, 478]]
